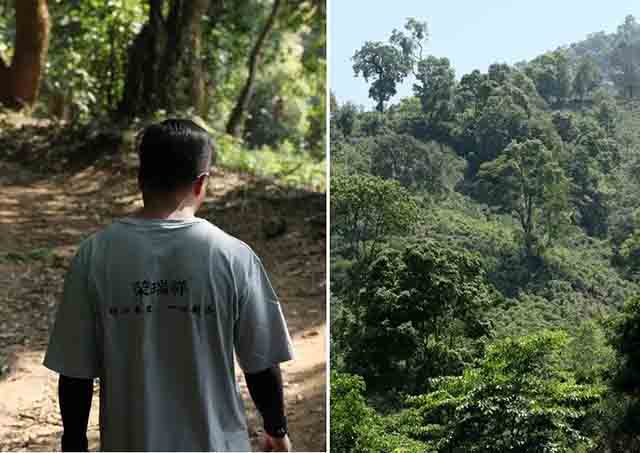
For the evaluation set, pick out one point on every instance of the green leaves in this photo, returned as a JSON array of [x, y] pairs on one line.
[[349, 411], [385, 65], [516, 399], [552, 77], [88, 52], [286, 164], [587, 78], [624, 58], [625, 340], [356, 428], [422, 167], [553, 153], [366, 209], [527, 181], [422, 309], [435, 90], [412, 40]]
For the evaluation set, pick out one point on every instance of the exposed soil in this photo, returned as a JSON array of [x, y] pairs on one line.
[[43, 217]]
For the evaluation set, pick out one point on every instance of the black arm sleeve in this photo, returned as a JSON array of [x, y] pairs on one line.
[[265, 388], [75, 404]]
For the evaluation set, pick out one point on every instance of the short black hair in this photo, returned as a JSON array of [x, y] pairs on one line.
[[173, 154]]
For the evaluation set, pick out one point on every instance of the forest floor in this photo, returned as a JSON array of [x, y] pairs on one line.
[[45, 214]]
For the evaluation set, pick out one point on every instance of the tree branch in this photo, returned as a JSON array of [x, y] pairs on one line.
[[234, 126]]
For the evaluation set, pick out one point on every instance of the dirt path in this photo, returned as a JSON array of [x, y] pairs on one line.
[[42, 220]]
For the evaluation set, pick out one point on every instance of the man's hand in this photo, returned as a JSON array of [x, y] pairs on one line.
[[276, 443]]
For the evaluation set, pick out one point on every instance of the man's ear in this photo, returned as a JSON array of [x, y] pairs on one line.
[[200, 185]]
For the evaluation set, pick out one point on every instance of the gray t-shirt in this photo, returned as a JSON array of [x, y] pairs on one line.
[[155, 309]]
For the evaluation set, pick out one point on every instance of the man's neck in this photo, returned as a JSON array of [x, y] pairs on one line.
[[149, 212]]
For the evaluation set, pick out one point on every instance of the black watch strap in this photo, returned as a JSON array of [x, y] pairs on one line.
[[278, 433]]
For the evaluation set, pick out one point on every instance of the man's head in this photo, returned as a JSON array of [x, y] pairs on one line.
[[175, 157]]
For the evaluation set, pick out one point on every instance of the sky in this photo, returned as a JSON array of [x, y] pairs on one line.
[[472, 34]]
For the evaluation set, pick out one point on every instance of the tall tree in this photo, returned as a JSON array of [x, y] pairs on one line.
[[625, 61], [344, 118], [435, 87], [383, 64], [165, 68], [388, 64], [423, 309], [552, 76], [594, 156], [412, 40], [527, 180], [625, 58], [20, 79], [587, 79], [501, 120], [366, 209]]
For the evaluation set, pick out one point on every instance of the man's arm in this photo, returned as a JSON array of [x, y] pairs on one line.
[[75, 404], [265, 388], [262, 341]]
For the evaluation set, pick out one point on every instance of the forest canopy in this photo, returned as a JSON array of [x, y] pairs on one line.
[[500, 317]]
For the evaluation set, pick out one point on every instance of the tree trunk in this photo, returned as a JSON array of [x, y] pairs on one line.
[[140, 82], [20, 81], [164, 69], [182, 84], [236, 119]]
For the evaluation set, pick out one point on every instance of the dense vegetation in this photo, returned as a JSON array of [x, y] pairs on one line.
[[252, 71], [486, 252]]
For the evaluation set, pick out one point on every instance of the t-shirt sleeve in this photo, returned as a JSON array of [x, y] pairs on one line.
[[261, 336], [73, 342]]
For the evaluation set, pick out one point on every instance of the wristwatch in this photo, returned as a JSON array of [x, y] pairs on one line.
[[278, 433]]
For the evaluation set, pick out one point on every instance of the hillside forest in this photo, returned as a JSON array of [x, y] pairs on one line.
[[485, 251]]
